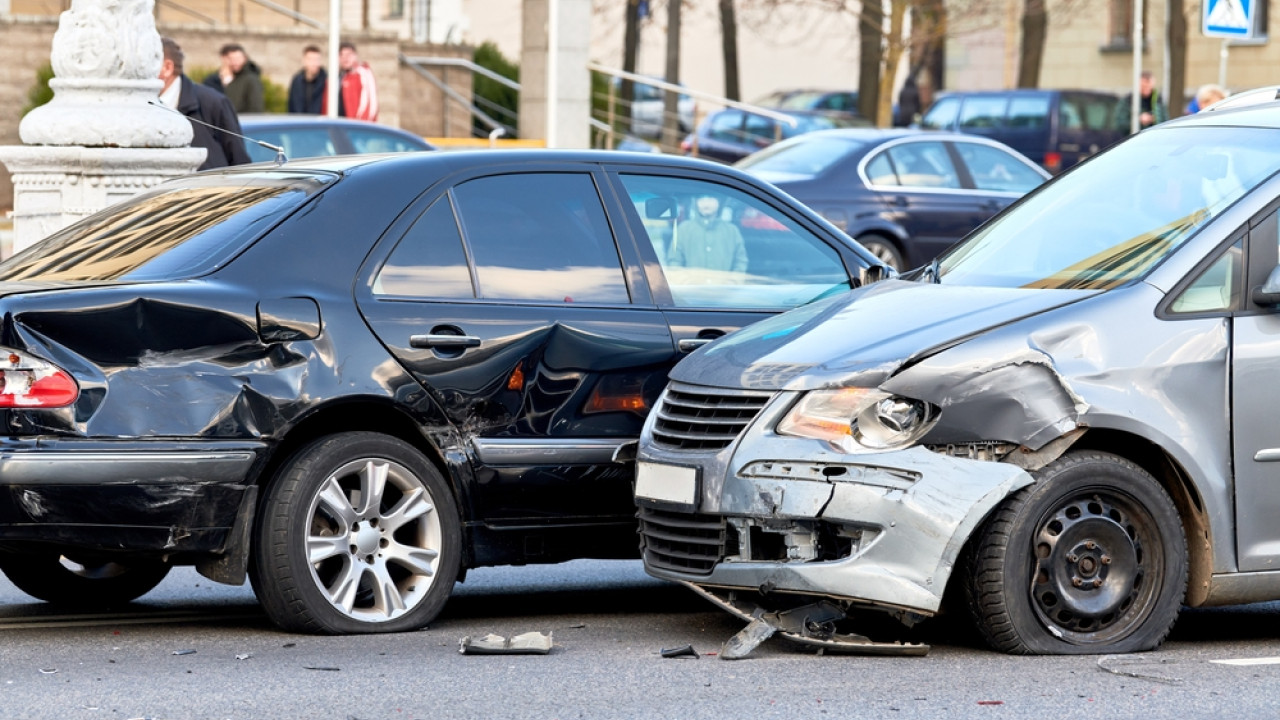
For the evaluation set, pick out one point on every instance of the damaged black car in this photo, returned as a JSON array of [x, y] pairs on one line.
[[349, 380]]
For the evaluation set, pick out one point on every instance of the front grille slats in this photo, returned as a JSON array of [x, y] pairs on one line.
[[682, 542], [704, 419]]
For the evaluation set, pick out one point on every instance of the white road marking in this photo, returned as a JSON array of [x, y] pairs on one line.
[[1249, 661]]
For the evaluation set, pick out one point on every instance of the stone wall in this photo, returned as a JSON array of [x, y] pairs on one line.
[[406, 99]]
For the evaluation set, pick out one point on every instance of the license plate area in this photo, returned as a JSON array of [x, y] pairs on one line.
[[674, 486]]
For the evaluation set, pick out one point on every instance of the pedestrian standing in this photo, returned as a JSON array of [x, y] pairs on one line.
[[239, 78], [359, 93], [308, 88], [1151, 109], [206, 105]]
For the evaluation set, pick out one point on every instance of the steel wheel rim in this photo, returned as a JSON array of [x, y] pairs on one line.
[[1096, 563], [373, 540], [883, 253]]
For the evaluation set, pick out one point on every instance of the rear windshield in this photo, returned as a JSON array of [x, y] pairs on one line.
[[177, 230], [807, 157]]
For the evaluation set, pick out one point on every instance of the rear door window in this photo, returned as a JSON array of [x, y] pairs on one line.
[[924, 165], [996, 170], [541, 237], [1028, 113], [942, 115], [429, 261]]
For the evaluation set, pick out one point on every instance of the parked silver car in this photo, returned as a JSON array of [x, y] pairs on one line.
[[1068, 418]]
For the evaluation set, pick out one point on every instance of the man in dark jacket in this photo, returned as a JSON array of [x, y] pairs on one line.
[[307, 90], [240, 79], [205, 105]]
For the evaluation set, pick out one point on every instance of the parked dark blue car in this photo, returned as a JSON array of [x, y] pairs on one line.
[[730, 135]]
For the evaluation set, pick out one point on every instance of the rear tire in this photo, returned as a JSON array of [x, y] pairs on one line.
[[1090, 559], [358, 533], [884, 250], [65, 582]]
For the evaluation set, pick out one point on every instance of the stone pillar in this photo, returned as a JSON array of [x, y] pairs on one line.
[[99, 140], [573, 80]]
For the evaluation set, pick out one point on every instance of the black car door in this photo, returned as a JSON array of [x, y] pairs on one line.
[[923, 192], [719, 264], [509, 299]]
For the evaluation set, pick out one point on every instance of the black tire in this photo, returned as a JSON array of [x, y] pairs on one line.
[[884, 249], [1089, 559], [70, 583], [387, 574]]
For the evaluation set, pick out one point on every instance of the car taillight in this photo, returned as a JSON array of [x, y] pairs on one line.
[[685, 146], [1053, 161], [29, 382]]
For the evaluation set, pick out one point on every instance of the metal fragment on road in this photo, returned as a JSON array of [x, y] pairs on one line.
[[1117, 664], [530, 643], [321, 667], [48, 671], [679, 652], [184, 652], [244, 656], [747, 639]]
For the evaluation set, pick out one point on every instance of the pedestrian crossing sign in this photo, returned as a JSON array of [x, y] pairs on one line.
[[1229, 18]]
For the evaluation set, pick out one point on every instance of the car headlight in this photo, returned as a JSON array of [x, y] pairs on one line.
[[860, 419]]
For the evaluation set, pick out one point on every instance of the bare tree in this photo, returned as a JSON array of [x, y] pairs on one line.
[[670, 101], [870, 55], [1177, 44], [630, 55], [1035, 25]]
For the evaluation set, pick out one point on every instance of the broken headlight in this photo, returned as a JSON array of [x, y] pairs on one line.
[[860, 419]]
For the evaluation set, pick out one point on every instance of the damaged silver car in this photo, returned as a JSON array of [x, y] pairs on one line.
[[1065, 420]]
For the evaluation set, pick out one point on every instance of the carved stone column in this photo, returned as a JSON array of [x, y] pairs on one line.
[[99, 140]]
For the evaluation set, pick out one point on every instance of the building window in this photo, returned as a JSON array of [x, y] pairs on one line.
[[395, 9], [1120, 25]]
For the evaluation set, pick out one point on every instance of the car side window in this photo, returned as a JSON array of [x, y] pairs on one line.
[[1218, 287], [376, 141], [429, 260], [759, 128], [722, 248], [726, 127], [880, 170], [924, 165], [1028, 113], [540, 237], [983, 112], [996, 170], [942, 115]]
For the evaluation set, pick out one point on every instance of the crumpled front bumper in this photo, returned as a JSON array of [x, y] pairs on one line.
[[799, 517]]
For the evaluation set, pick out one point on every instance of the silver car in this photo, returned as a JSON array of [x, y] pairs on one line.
[[1068, 419]]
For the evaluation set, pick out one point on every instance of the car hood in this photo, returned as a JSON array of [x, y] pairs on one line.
[[861, 337]]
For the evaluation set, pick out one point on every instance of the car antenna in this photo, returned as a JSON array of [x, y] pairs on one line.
[[279, 151]]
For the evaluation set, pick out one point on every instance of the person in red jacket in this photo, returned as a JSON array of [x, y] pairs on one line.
[[359, 98]]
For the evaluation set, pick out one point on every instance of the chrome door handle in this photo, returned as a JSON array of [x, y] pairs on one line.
[[688, 345], [433, 340]]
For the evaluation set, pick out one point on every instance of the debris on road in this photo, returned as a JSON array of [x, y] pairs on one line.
[[321, 667], [814, 624], [244, 656], [184, 652], [1116, 664], [48, 671], [679, 652], [530, 643]]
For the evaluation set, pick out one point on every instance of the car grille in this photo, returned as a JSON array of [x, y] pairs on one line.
[[683, 542], [704, 419]]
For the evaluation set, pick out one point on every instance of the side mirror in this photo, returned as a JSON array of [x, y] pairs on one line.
[[660, 208], [1269, 294], [876, 273]]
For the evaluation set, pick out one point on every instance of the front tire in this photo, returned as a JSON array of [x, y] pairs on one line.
[[71, 583], [1089, 559], [358, 533], [884, 250]]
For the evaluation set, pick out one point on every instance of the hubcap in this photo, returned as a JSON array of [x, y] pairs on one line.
[[374, 540], [1094, 557]]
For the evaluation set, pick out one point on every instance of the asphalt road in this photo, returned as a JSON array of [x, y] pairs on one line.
[[609, 622]]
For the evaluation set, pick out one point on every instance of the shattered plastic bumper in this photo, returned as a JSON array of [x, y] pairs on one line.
[[125, 495], [795, 516]]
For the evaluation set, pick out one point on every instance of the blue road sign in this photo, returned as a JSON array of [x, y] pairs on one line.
[[1228, 18]]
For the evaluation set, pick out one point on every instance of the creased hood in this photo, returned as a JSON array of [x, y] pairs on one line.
[[869, 332]]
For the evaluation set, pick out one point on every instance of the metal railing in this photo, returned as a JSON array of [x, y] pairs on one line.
[[496, 128]]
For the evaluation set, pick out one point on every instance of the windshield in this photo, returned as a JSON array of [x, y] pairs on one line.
[[168, 233], [1117, 216], [808, 156]]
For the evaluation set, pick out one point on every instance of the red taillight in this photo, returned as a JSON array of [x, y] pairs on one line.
[[685, 146], [29, 382], [1052, 161]]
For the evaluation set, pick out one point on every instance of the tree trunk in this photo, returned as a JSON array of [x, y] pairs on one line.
[[729, 37], [1035, 21], [893, 53], [630, 54], [1177, 44], [670, 102], [870, 53]]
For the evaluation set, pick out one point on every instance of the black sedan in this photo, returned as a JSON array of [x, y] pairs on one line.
[[351, 379], [304, 136], [905, 195]]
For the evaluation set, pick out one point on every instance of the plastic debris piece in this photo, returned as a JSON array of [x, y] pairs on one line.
[[184, 652], [48, 671], [289, 645], [990, 702], [679, 652], [530, 643], [244, 656], [577, 626], [747, 639], [321, 667]]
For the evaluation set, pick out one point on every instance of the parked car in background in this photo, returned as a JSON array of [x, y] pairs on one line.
[[1056, 128], [354, 378], [648, 109], [845, 101], [1067, 423], [304, 136], [730, 135], [906, 195]]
